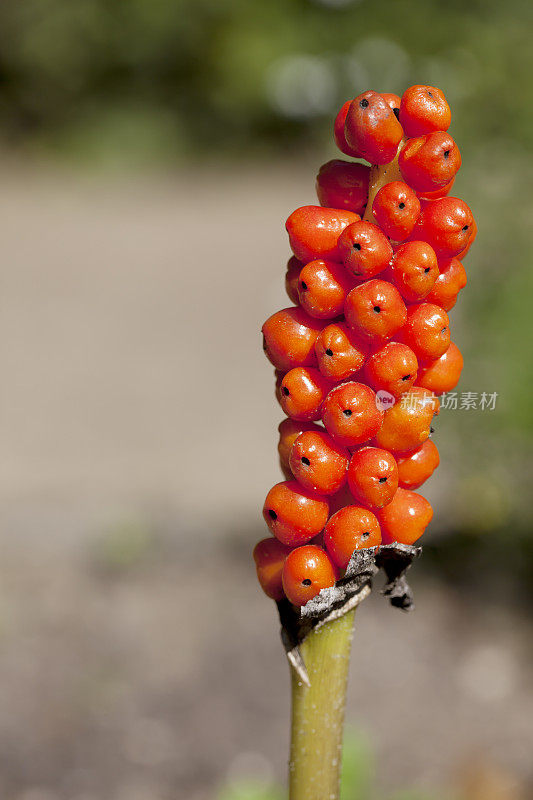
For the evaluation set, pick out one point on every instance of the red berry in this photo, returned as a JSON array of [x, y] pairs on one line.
[[393, 101], [343, 184], [318, 463], [426, 331], [306, 571], [416, 467], [396, 209], [294, 267], [424, 109], [289, 338], [407, 424], [450, 281], [352, 528], [340, 352], [371, 128], [429, 162], [442, 375], [364, 249], [322, 288], [269, 556], [373, 476], [302, 392], [338, 132], [293, 514], [392, 367], [375, 309], [448, 225], [350, 414], [415, 269], [473, 234], [313, 231], [289, 430], [406, 517], [435, 194]]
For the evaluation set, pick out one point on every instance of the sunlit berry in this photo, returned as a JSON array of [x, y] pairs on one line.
[[429, 162], [416, 467], [289, 430], [375, 309], [340, 351], [426, 331], [405, 518], [322, 288], [302, 392], [318, 462], [293, 514], [364, 249], [407, 424], [415, 269], [294, 267], [391, 367], [447, 224], [289, 338], [393, 101], [338, 132], [442, 375], [371, 128], [373, 476], [424, 109], [350, 413], [306, 571], [269, 556], [343, 184], [314, 231], [352, 528], [450, 281], [473, 234], [396, 209]]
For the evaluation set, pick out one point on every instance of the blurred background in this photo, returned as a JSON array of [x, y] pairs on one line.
[[150, 152]]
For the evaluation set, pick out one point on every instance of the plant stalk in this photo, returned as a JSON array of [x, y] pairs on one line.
[[318, 712]]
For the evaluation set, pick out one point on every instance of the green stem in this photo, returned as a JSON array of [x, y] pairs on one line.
[[318, 712]]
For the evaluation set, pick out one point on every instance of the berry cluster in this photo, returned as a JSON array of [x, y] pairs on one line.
[[366, 349]]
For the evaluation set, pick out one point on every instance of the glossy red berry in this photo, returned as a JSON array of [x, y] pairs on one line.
[[343, 184], [451, 279], [373, 476], [269, 556], [350, 414], [393, 101], [424, 109], [364, 249], [314, 231], [426, 331], [340, 352], [416, 467], [318, 463], [302, 392], [338, 132], [371, 128], [322, 288], [396, 209], [289, 430], [429, 162], [448, 225], [352, 528], [289, 338], [415, 269], [375, 309], [435, 194], [407, 424], [294, 267], [391, 367], [293, 514], [405, 518], [306, 571], [442, 375]]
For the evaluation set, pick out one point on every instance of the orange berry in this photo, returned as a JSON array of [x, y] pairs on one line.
[[302, 392], [416, 467], [393, 101], [294, 267], [318, 463], [338, 131], [340, 352], [350, 414], [442, 375], [435, 194], [429, 162], [343, 184], [450, 281], [405, 518], [306, 571], [448, 225], [373, 476], [396, 209], [426, 331], [314, 231], [289, 430], [293, 514], [415, 270], [269, 556], [289, 338], [364, 249], [407, 424], [352, 528], [322, 288], [371, 128], [392, 367], [424, 109], [375, 309]]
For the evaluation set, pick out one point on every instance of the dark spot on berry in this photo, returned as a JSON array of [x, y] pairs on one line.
[[329, 351], [465, 228], [356, 246], [430, 94], [396, 112], [444, 329], [382, 480], [401, 205], [306, 582], [365, 535], [446, 154], [272, 514], [431, 430], [303, 285], [347, 412], [285, 390], [377, 309], [305, 461], [426, 270], [405, 377], [364, 103]]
